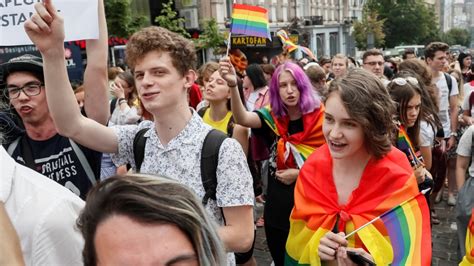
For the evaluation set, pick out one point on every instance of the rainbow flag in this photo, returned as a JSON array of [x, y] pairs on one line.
[[404, 144], [385, 183], [287, 43], [469, 257], [250, 20], [405, 225], [300, 145], [291, 46]]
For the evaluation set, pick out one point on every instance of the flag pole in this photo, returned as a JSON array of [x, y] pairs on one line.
[[230, 34], [378, 217]]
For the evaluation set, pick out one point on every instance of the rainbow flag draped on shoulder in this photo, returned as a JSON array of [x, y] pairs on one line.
[[469, 257], [293, 150], [387, 189]]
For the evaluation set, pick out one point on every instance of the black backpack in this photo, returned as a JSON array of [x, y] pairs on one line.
[[209, 159], [449, 82]]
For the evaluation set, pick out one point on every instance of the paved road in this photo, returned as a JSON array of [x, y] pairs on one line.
[[443, 236]]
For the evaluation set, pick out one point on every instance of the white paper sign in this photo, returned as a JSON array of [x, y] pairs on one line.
[[80, 19]]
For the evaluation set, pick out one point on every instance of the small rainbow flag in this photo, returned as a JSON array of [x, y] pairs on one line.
[[250, 20], [469, 257], [291, 46], [405, 225], [404, 144]]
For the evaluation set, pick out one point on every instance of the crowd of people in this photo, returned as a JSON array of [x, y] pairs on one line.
[[160, 163]]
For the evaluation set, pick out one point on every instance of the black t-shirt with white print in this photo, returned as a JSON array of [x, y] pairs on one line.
[[56, 159]]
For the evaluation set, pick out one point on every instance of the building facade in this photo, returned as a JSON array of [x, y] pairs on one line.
[[324, 26]]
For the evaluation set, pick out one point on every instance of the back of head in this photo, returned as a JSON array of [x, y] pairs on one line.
[[158, 39], [150, 200], [434, 47], [205, 72], [255, 73], [315, 73], [324, 60], [368, 102], [419, 67], [25, 63]]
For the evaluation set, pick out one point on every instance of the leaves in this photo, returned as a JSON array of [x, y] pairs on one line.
[[120, 21], [369, 24], [169, 19], [406, 21], [457, 36], [211, 36]]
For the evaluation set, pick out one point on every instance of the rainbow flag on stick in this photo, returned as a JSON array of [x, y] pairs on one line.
[[250, 20], [291, 46], [405, 224], [404, 144]]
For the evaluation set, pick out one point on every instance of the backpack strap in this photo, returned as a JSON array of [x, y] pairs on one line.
[[26, 153], [209, 161], [12, 146], [139, 142], [449, 81], [113, 103], [202, 111], [84, 162]]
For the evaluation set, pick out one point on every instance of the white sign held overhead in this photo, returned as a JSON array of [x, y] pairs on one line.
[[80, 20]]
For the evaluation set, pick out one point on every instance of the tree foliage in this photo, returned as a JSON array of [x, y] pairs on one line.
[[369, 24], [406, 21], [169, 19], [457, 36], [211, 36], [120, 21]]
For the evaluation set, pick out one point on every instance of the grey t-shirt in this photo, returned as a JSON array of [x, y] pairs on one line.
[[465, 147]]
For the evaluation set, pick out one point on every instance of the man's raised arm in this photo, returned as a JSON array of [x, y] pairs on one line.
[[96, 100], [46, 31]]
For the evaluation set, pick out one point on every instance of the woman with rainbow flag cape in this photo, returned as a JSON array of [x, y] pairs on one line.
[[365, 183], [292, 126], [406, 91]]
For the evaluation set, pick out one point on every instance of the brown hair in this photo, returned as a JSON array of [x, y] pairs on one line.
[[128, 78], [429, 96], [371, 52], [205, 72], [268, 69], [368, 102], [153, 38], [150, 200], [402, 95], [434, 47], [113, 72]]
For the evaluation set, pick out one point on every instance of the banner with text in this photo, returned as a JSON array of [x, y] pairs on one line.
[[80, 19]]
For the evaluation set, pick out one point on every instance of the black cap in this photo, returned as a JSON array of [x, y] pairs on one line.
[[27, 63]]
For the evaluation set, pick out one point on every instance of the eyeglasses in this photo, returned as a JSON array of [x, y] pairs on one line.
[[30, 89], [373, 63], [403, 81]]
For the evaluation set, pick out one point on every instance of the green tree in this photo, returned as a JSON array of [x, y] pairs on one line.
[[169, 19], [369, 24], [457, 36], [120, 21], [406, 21], [211, 36]]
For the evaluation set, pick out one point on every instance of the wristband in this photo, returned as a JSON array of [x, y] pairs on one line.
[[122, 100], [455, 134]]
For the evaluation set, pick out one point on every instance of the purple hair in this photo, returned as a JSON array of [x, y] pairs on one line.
[[307, 101]]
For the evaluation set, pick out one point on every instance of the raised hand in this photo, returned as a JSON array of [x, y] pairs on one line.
[[227, 72], [46, 28]]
